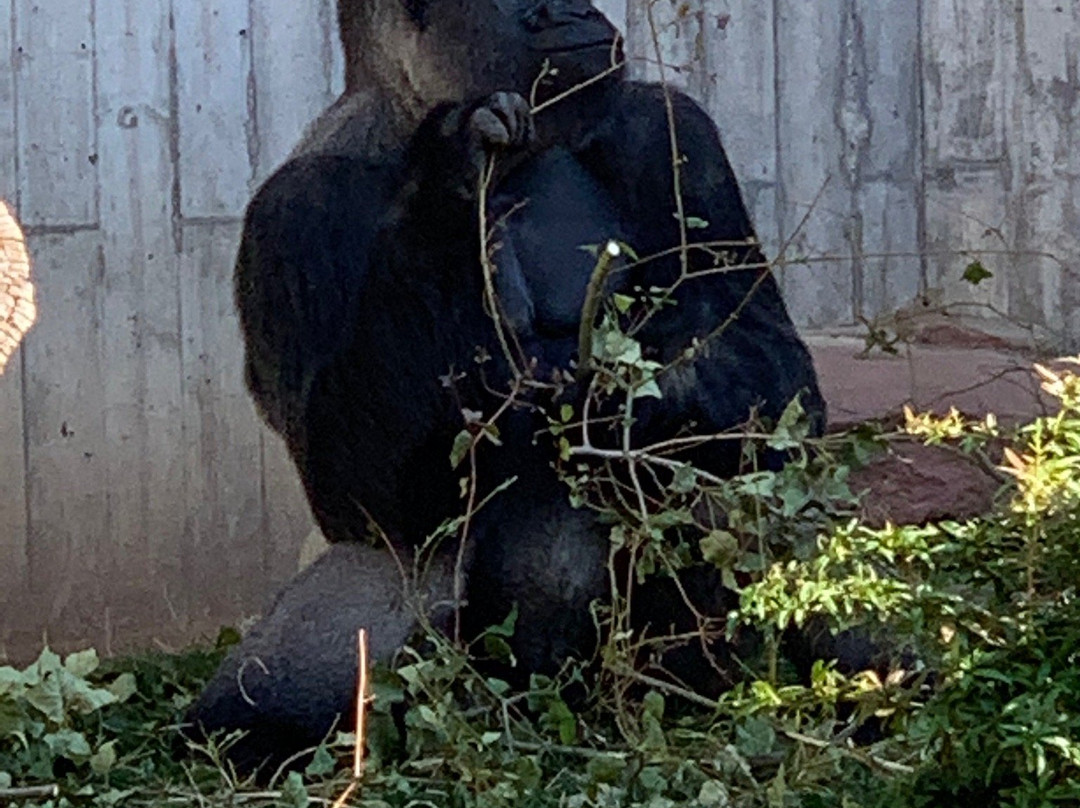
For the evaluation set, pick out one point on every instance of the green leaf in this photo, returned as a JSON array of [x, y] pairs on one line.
[[67, 743], [506, 627], [653, 705], [11, 682], [123, 687], [975, 273], [792, 428], [82, 697], [649, 389], [82, 664], [626, 248], [605, 768], [45, 696], [103, 760], [622, 303], [462, 444], [720, 548], [560, 717], [12, 720], [685, 479], [713, 794], [499, 649], [293, 793], [755, 737], [566, 413], [652, 780], [694, 223], [322, 763], [227, 637]]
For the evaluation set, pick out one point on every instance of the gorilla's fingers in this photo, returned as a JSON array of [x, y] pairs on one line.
[[503, 121]]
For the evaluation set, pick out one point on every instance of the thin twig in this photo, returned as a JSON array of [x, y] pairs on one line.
[[593, 295], [30, 792], [615, 67], [361, 712], [673, 142]]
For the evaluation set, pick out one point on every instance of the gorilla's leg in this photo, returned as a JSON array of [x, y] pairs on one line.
[[293, 677], [533, 550]]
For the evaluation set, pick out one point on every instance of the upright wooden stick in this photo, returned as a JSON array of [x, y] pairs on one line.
[[361, 709]]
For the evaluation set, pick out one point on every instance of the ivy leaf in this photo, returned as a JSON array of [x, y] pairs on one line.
[[720, 548], [67, 743], [649, 389], [626, 248], [322, 763], [45, 697], [653, 705], [792, 428], [755, 737], [462, 445], [103, 760], [685, 479], [293, 793], [975, 273], [82, 664]]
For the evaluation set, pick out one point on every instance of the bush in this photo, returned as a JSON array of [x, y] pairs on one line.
[[977, 701]]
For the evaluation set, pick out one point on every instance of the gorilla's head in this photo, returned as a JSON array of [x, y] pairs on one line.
[[430, 51]]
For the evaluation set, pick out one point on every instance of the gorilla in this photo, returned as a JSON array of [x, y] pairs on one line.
[[293, 677], [358, 281], [369, 344]]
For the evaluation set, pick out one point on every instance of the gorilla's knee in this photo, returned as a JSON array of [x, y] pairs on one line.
[[292, 679]]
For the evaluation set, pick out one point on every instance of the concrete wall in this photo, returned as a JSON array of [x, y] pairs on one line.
[[140, 498]]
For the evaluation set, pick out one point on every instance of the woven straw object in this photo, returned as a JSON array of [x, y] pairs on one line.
[[17, 309]]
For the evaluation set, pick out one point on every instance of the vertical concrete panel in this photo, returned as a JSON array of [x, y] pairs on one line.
[[9, 180], [66, 448], [1044, 284], [16, 306], [291, 82], [737, 84], [223, 520], [139, 554], [822, 129], [54, 48], [665, 34], [218, 135], [968, 57], [888, 175]]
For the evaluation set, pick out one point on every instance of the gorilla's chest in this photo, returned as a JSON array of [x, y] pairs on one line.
[[547, 214]]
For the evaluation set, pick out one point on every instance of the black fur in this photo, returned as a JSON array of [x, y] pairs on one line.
[[292, 680], [360, 290]]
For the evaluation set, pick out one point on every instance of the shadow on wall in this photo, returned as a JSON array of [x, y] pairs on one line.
[[17, 309]]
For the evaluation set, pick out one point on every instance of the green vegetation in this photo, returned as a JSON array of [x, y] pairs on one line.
[[983, 615]]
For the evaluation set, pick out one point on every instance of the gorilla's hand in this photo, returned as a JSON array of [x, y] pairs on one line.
[[502, 121], [454, 143]]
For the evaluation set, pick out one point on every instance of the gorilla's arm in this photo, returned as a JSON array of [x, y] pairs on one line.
[[381, 417], [301, 266], [759, 360]]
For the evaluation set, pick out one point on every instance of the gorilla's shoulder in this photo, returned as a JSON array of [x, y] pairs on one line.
[[645, 105], [318, 181]]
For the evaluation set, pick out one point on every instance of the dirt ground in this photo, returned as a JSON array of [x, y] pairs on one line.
[[977, 374]]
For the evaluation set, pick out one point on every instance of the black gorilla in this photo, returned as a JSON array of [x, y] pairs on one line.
[[293, 678], [361, 296], [358, 280]]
